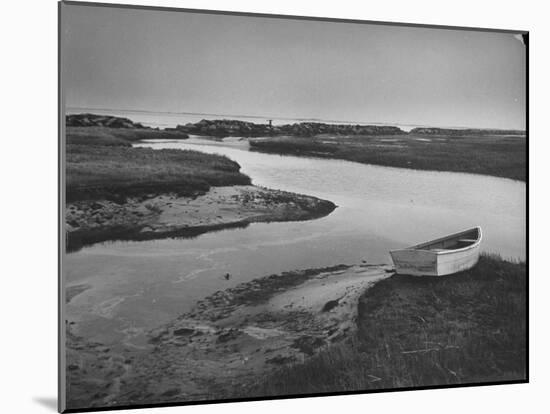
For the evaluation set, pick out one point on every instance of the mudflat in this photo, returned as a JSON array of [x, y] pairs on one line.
[[171, 215], [235, 336]]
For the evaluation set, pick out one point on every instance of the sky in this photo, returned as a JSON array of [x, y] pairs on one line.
[[167, 61]]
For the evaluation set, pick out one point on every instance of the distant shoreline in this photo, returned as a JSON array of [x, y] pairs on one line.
[[493, 152], [232, 127]]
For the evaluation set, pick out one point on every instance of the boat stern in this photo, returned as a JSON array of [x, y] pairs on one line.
[[414, 262]]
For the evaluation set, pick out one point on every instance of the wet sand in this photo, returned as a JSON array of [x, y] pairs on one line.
[[227, 341]]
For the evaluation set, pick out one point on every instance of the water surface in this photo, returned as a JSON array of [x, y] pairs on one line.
[[139, 285]]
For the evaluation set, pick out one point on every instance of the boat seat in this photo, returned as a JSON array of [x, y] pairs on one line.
[[467, 240]]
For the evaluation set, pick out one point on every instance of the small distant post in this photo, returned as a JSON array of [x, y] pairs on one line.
[[270, 123]]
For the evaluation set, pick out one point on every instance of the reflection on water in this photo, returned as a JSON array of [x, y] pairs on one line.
[[138, 285]]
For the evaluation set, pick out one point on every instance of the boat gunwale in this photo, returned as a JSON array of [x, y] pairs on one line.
[[444, 252]]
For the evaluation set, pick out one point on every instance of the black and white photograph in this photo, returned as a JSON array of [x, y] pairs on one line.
[[259, 206]]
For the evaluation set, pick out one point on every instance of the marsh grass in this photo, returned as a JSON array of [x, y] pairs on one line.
[[500, 156], [116, 136], [465, 328], [116, 172]]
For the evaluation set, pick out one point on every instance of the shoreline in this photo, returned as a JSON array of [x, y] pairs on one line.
[[413, 332], [170, 215], [309, 331], [490, 152], [236, 335]]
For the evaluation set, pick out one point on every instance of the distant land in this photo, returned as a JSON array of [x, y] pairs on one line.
[[495, 152], [465, 132], [109, 121], [234, 128]]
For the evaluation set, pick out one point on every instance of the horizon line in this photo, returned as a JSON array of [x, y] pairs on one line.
[[282, 118]]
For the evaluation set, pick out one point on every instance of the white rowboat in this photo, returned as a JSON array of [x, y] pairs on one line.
[[439, 257]]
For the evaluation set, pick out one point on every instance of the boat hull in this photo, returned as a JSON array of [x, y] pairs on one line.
[[417, 261], [412, 262]]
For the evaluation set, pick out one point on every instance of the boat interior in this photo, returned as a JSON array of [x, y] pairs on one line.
[[453, 242]]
